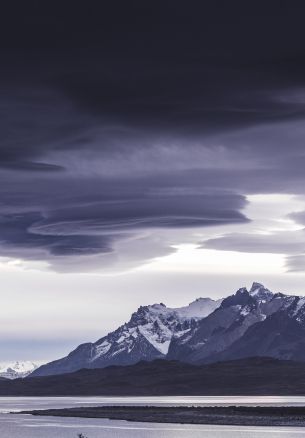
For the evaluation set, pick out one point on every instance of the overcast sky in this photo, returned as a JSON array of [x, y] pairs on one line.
[[150, 151]]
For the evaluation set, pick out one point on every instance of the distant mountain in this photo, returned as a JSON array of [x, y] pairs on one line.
[[17, 369], [250, 323], [147, 336], [252, 376]]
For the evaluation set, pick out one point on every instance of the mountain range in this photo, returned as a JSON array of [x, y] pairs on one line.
[[248, 323]]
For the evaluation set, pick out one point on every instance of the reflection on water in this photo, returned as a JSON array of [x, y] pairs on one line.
[[26, 426]]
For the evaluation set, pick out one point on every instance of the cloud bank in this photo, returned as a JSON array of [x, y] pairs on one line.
[[130, 126]]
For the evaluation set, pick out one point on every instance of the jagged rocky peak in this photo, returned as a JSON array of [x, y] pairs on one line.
[[255, 286], [260, 292], [240, 298]]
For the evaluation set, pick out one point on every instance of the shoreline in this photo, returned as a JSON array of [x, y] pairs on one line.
[[214, 415]]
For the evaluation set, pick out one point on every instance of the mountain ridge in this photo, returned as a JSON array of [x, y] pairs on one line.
[[205, 331], [147, 335]]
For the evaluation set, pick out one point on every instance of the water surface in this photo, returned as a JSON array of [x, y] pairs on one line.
[[26, 426], [13, 426], [8, 404]]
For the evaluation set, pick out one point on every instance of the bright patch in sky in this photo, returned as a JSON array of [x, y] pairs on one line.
[[189, 258], [268, 214]]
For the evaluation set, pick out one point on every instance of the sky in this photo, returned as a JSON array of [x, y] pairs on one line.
[[150, 152]]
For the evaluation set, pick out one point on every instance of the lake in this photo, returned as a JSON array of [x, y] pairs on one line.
[[26, 426]]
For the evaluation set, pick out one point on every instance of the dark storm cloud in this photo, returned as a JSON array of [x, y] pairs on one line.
[[144, 116], [31, 166], [15, 236], [147, 211], [87, 217]]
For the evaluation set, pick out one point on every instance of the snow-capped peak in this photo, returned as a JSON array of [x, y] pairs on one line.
[[200, 308], [17, 369], [197, 309]]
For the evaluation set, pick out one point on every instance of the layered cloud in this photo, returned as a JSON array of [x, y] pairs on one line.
[[113, 141]]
